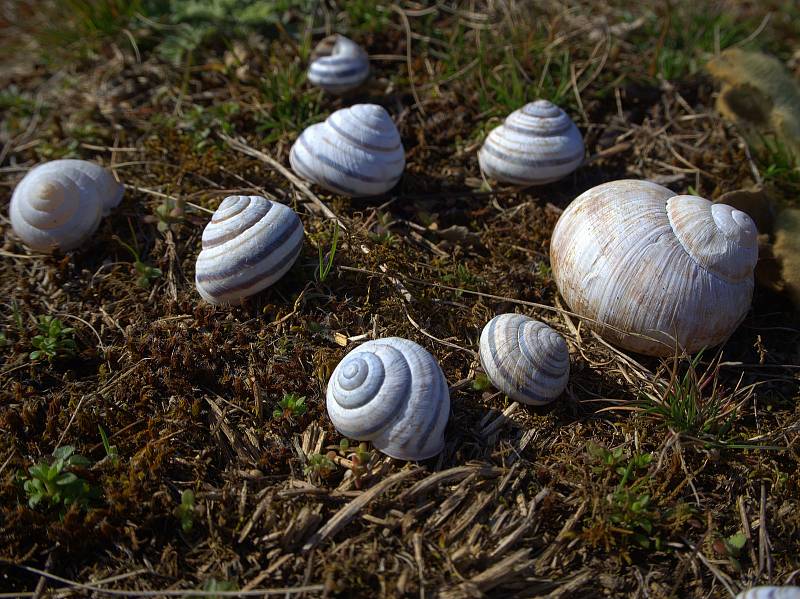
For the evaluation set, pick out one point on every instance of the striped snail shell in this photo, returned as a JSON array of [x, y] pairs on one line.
[[536, 144], [652, 268], [392, 392], [59, 204], [250, 243], [340, 65], [785, 592], [524, 358], [356, 152]]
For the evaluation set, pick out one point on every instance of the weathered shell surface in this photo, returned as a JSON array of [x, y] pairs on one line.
[[524, 358], [392, 392], [536, 144], [59, 204], [785, 592], [655, 266], [249, 244], [356, 152], [341, 65]]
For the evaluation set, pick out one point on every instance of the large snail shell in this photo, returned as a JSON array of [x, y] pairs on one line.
[[637, 257], [356, 152], [391, 392], [536, 144], [249, 244], [785, 592], [524, 358], [341, 65], [59, 204]]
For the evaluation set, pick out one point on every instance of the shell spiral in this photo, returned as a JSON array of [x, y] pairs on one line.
[[524, 358], [59, 204], [392, 392], [536, 144], [765, 592], [654, 268], [249, 244], [356, 152], [341, 65]]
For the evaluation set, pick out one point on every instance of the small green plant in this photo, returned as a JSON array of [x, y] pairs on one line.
[[111, 450], [326, 262], [53, 341], [167, 214], [185, 510], [319, 465], [627, 509], [146, 273], [54, 484], [694, 404], [291, 405], [212, 584], [481, 382], [359, 458]]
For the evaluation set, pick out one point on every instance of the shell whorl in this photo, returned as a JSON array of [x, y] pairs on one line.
[[392, 392], [766, 592], [619, 256], [341, 65], [59, 204], [249, 244], [524, 358], [356, 152], [536, 144], [720, 238]]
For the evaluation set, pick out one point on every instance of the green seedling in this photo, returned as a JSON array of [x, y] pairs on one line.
[[53, 341], [481, 382], [326, 262], [319, 465], [54, 484], [360, 459], [168, 213], [111, 450], [290, 406], [185, 510], [146, 274]]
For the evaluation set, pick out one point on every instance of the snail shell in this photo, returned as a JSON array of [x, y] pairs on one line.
[[524, 358], [59, 204], [785, 592], [249, 244], [356, 152], [392, 392], [341, 65], [656, 266], [536, 144]]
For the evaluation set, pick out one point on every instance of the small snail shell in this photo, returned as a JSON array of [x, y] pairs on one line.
[[340, 65], [392, 392], [249, 244], [785, 592], [59, 204], [524, 358], [536, 144], [356, 152], [637, 257]]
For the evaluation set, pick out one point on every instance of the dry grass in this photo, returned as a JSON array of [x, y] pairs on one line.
[[584, 498]]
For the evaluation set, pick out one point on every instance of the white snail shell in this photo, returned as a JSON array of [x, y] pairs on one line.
[[536, 144], [249, 244], [524, 358], [392, 392], [59, 204], [341, 65], [785, 592], [356, 152], [655, 266]]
